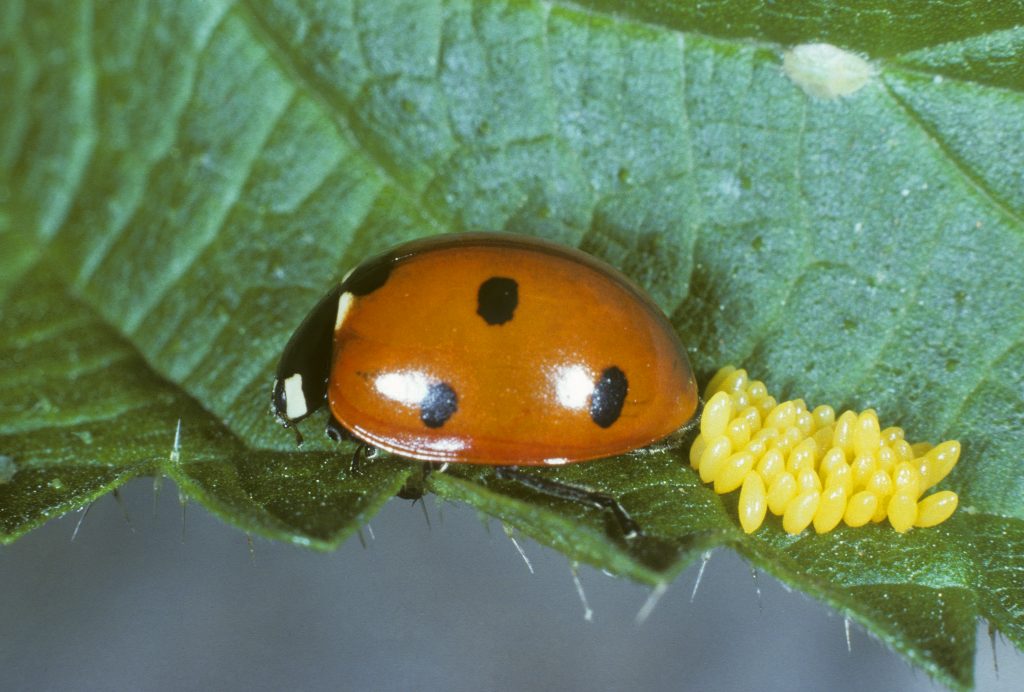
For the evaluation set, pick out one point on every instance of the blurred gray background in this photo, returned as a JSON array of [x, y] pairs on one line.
[[447, 607]]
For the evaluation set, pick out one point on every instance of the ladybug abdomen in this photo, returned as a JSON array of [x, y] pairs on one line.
[[504, 352]]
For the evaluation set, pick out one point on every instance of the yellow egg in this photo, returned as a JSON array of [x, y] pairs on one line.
[[780, 492], [752, 416], [863, 467], [906, 477], [735, 381], [771, 465], [807, 479], [739, 432], [830, 509], [844, 429], [938, 462], [886, 458], [824, 416], [757, 390], [880, 484], [716, 416], [800, 511], [840, 475], [890, 435], [753, 503], [740, 400], [696, 449], [902, 510], [766, 434], [833, 458], [756, 447], [902, 450], [936, 508], [860, 508], [715, 383], [789, 439], [714, 456], [866, 435], [823, 440], [732, 473], [782, 416], [802, 456], [805, 422], [766, 406]]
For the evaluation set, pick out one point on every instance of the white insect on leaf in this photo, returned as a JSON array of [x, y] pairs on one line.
[[826, 71]]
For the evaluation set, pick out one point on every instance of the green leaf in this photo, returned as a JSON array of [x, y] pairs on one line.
[[180, 181], [82, 414]]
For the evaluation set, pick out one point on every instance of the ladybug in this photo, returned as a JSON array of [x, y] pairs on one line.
[[488, 348]]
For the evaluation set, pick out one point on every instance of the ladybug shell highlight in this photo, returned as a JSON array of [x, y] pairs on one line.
[[489, 348]]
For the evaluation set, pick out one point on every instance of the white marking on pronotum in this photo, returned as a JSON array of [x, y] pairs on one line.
[[700, 574], [522, 553], [652, 600], [588, 613], [826, 71], [849, 644], [294, 399], [344, 305]]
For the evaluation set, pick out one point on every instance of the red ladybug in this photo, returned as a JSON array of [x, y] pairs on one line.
[[489, 348]]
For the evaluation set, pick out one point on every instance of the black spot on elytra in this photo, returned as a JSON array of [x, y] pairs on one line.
[[497, 299], [368, 277], [438, 405], [608, 397]]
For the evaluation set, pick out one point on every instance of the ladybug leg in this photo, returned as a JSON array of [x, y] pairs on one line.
[[298, 434], [338, 433], [415, 486], [574, 493], [362, 453]]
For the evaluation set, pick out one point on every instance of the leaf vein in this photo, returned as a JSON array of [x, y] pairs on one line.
[[106, 242], [975, 181], [349, 126]]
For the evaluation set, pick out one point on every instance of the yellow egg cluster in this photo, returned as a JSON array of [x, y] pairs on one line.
[[811, 467]]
